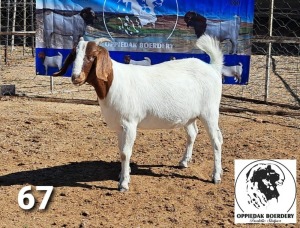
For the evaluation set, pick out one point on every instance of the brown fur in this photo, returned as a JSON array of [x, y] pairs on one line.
[[127, 59], [98, 69], [69, 60], [41, 55]]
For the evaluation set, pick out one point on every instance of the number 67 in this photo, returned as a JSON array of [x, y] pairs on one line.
[[31, 201]]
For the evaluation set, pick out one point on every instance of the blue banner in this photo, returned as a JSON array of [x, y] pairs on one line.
[[146, 31]]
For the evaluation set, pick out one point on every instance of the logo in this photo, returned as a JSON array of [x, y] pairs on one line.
[[265, 191], [139, 19]]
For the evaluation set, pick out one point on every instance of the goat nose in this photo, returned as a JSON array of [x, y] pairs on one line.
[[73, 78], [77, 79]]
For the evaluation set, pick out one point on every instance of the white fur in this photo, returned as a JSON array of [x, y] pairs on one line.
[[233, 71], [167, 95], [52, 61], [145, 62], [224, 30], [80, 52], [63, 26]]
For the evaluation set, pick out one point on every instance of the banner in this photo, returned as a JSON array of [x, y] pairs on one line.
[[149, 31]]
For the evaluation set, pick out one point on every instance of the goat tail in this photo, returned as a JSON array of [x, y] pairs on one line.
[[211, 46]]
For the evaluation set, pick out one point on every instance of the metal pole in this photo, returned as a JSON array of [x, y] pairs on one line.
[[267, 80], [14, 24], [24, 25], [0, 14], [51, 84], [32, 28], [0, 29], [7, 29]]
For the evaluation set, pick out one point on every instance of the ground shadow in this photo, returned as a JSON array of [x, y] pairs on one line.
[[79, 174], [285, 83]]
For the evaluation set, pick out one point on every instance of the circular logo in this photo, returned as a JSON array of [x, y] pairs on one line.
[[265, 186], [137, 19]]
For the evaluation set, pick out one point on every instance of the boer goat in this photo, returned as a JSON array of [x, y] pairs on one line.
[[223, 30], [163, 96], [51, 61], [233, 71], [145, 62], [64, 25]]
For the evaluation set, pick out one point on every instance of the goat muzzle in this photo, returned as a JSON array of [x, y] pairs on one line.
[[78, 79]]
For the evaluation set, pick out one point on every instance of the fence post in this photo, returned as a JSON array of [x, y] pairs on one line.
[[32, 28], [0, 30], [24, 26], [268, 70], [7, 29], [13, 24]]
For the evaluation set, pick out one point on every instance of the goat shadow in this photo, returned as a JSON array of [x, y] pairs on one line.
[[78, 174]]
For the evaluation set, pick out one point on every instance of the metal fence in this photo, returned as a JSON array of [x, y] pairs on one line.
[[275, 62]]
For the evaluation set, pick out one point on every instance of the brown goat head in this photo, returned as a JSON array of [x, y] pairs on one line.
[[94, 66], [41, 55]]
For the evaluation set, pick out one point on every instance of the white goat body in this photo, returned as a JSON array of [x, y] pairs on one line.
[[167, 95], [233, 71], [225, 30], [145, 62], [73, 26], [51, 61]]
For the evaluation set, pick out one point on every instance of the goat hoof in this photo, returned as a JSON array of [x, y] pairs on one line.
[[217, 181], [183, 164], [123, 187], [123, 190]]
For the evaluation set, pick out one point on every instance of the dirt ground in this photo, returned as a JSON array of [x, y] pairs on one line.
[[68, 146]]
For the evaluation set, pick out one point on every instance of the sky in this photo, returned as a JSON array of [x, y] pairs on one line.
[[212, 9]]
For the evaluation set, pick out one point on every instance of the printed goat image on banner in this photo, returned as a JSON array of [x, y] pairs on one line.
[[146, 32]]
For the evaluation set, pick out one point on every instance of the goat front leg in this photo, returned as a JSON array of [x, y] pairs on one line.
[[126, 138], [192, 131]]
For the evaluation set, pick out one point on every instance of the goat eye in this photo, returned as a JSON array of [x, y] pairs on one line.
[[90, 58]]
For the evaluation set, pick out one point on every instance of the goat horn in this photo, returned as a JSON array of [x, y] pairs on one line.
[[101, 40]]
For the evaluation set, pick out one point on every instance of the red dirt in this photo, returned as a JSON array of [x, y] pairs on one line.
[[69, 147]]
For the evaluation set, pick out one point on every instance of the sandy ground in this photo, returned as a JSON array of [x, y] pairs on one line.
[[69, 146]]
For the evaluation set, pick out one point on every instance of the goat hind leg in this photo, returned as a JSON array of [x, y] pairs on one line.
[[216, 139], [192, 131]]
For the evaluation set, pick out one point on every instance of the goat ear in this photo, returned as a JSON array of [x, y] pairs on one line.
[[101, 40], [103, 65]]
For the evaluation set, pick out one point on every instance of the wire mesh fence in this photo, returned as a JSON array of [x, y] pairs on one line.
[[275, 61]]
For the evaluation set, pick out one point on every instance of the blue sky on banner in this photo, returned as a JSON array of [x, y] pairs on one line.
[[213, 9], [159, 47]]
